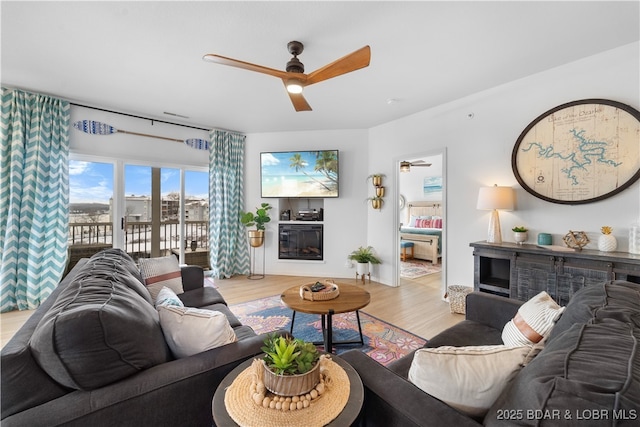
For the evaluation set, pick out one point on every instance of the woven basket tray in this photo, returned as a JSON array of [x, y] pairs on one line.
[[330, 291]]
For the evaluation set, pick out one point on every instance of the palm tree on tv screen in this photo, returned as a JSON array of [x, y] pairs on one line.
[[326, 164]]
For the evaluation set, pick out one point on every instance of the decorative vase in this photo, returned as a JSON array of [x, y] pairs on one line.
[[607, 243], [634, 238], [256, 238], [194, 245], [291, 385], [520, 237]]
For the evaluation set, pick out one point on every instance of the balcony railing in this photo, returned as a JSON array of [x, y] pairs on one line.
[[138, 236]]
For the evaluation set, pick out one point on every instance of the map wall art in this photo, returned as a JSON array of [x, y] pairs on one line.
[[579, 152]]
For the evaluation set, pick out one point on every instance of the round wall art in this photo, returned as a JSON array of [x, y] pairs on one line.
[[579, 152]]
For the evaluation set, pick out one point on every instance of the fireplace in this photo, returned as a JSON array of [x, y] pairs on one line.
[[300, 241]]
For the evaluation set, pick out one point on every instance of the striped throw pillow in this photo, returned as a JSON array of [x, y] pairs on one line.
[[160, 272]]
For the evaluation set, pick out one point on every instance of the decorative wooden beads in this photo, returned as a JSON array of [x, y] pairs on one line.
[[261, 396]]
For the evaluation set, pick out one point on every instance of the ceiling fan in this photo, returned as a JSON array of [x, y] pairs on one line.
[[294, 78], [406, 166]]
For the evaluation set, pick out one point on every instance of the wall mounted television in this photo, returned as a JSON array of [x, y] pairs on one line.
[[299, 174]]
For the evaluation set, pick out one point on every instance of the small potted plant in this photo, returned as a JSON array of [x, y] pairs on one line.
[[376, 202], [607, 242], [520, 234], [363, 257], [376, 179], [291, 365], [259, 219]]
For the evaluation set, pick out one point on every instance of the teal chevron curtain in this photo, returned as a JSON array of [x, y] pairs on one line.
[[34, 197], [228, 251]]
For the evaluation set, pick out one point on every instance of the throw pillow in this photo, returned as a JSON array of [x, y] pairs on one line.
[[533, 321], [422, 223], [160, 272], [190, 331], [468, 379], [167, 297]]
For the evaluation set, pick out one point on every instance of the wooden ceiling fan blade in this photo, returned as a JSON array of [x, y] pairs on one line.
[[299, 103], [219, 59], [351, 62]]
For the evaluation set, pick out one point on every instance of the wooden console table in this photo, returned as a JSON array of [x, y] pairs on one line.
[[523, 271]]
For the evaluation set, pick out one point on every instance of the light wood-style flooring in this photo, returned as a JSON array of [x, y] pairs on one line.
[[416, 305]]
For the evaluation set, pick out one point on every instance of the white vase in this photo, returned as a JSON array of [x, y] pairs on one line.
[[607, 243], [634, 238]]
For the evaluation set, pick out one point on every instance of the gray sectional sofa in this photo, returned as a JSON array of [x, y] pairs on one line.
[[587, 374], [93, 354]]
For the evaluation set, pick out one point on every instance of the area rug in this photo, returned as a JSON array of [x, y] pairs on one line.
[[383, 342], [416, 268]]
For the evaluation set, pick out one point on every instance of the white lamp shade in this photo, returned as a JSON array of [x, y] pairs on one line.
[[490, 198]]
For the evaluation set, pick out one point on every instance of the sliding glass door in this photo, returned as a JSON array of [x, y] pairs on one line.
[[147, 211]]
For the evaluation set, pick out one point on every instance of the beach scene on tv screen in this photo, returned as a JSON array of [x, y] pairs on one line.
[[300, 174]]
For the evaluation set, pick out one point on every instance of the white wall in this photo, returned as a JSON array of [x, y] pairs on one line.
[[137, 149], [345, 217], [478, 153]]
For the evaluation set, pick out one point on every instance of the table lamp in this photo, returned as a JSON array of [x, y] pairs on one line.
[[492, 199]]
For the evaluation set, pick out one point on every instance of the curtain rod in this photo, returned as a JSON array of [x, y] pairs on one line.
[[139, 117]]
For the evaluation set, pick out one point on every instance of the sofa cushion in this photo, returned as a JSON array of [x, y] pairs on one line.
[[591, 369], [468, 379], [100, 329], [189, 331], [616, 299], [159, 272], [533, 321]]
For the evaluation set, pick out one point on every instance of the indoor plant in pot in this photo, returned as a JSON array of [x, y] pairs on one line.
[[259, 219], [291, 365], [520, 234], [363, 257]]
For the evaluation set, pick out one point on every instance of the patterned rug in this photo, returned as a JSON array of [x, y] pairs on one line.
[[416, 268], [383, 342]]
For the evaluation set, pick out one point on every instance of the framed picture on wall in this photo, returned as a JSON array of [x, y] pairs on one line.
[[579, 152], [432, 184]]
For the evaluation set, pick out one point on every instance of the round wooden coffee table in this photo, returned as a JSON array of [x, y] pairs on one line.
[[351, 298]]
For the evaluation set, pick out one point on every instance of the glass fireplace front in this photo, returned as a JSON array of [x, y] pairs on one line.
[[300, 241]]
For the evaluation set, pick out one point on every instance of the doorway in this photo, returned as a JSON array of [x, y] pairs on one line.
[[421, 215]]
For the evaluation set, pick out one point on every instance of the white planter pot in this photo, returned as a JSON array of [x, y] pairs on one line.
[[520, 236], [362, 268]]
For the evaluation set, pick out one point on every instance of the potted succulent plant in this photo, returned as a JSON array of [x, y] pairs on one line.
[[259, 219], [291, 365], [520, 234], [363, 257]]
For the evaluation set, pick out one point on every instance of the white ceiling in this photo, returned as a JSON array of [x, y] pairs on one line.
[[144, 58]]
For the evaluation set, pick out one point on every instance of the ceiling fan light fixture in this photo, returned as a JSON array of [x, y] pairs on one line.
[[405, 167], [294, 86]]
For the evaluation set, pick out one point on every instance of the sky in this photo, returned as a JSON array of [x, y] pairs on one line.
[[92, 182], [279, 163]]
